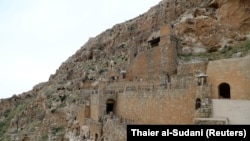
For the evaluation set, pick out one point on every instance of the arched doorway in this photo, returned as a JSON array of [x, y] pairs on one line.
[[224, 90], [96, 137], [110, 106]]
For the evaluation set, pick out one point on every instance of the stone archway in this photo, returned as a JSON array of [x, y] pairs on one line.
[[224, 90]]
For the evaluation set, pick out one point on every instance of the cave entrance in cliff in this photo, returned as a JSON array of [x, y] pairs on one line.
[[110, 106], [224, 90]]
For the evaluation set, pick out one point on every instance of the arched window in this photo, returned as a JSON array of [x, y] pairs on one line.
[[197, 104], [224, 90]]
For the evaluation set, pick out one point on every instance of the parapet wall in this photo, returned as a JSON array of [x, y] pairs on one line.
[[191, 68]]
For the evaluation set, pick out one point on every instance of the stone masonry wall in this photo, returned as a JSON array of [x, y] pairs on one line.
[[94, 107], [146, 63], [191, 68], [157, 107], [222, 108], [235, 72]]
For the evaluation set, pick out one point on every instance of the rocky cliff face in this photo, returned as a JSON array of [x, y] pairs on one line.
[[211, 27], [53, 109]]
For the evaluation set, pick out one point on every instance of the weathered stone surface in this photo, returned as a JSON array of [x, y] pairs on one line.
[[133, 70], [214, 23]]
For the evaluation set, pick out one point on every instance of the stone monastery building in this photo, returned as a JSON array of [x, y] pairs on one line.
[[157, 90]]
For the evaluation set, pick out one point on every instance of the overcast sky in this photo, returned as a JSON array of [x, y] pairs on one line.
[[36, 36]]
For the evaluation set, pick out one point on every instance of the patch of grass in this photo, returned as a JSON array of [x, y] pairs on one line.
[[3, 127], [45, 137], [61, 105], [6, 112], [10, 114]]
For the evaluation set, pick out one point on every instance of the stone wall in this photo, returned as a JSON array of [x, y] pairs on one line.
[[94, 106], [138, 101], [95, 128], [211, 121], [236, 111], [182, 82], [234, 72], [169, 45], [157, 107], [114, 128], [203, 102], [159, 58], [145, 65], [191, 68], [83, 113]]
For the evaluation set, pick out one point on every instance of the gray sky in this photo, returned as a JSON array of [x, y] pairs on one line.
[[36, 36]]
